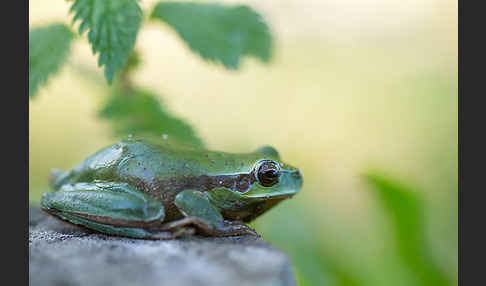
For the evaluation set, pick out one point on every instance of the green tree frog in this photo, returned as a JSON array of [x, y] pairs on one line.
[[140, 189]]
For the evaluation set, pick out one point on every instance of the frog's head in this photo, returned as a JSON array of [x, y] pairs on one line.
[[272, 177], [259, 175], [262, 181]]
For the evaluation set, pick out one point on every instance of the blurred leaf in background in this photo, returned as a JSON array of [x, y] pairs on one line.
[[404, 207], [48, 49], [113, 27], [297, 230], [217, 32], [139, 112]]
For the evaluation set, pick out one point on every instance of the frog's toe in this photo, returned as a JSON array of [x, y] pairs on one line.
[[160, 235], [232, 228], [185, 231], [180, 232]]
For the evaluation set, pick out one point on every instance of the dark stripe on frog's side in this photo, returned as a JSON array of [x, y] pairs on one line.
[[239, 182], [165, 191]]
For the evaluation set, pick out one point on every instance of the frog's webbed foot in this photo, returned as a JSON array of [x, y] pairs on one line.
[[239, 227], [183, 227], [171, 233], [204, 216]]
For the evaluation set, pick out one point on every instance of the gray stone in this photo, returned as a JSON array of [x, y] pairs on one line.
[[64, 254]]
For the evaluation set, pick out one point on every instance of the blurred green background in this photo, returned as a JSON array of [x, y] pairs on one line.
[[361, 95]]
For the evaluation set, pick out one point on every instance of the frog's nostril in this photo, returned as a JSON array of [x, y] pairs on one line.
[[298, 178], [297, 174]]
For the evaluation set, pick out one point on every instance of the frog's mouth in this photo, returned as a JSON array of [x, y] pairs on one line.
[[271, 196]]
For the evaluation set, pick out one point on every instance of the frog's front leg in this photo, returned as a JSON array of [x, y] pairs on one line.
[[199, 212], [108, 207]]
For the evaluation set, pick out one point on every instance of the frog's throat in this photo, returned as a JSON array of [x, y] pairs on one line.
[[241, 182]]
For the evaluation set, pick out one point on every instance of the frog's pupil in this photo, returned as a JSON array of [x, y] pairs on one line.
[[271, 173]]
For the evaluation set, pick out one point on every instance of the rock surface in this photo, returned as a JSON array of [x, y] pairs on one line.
[[64, 254]]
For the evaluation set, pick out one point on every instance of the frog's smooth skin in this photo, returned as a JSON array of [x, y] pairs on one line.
[[160, 191]]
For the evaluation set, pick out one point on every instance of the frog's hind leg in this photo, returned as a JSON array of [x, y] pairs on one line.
[[112, 208]]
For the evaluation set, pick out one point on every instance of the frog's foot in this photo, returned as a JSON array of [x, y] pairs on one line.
[[227, 228], [238, 227], [199, 212], [171, 233], [107, 207]]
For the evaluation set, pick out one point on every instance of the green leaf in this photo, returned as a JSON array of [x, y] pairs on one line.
[[140, 112], [405, 208], [48, 49], [113, 27], [217, 32]]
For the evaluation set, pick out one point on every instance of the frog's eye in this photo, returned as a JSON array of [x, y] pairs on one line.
[[268, 173]]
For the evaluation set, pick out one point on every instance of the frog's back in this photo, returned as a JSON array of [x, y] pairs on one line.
[[154, 169], [131, 161], [141, 162], [151, 163]]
